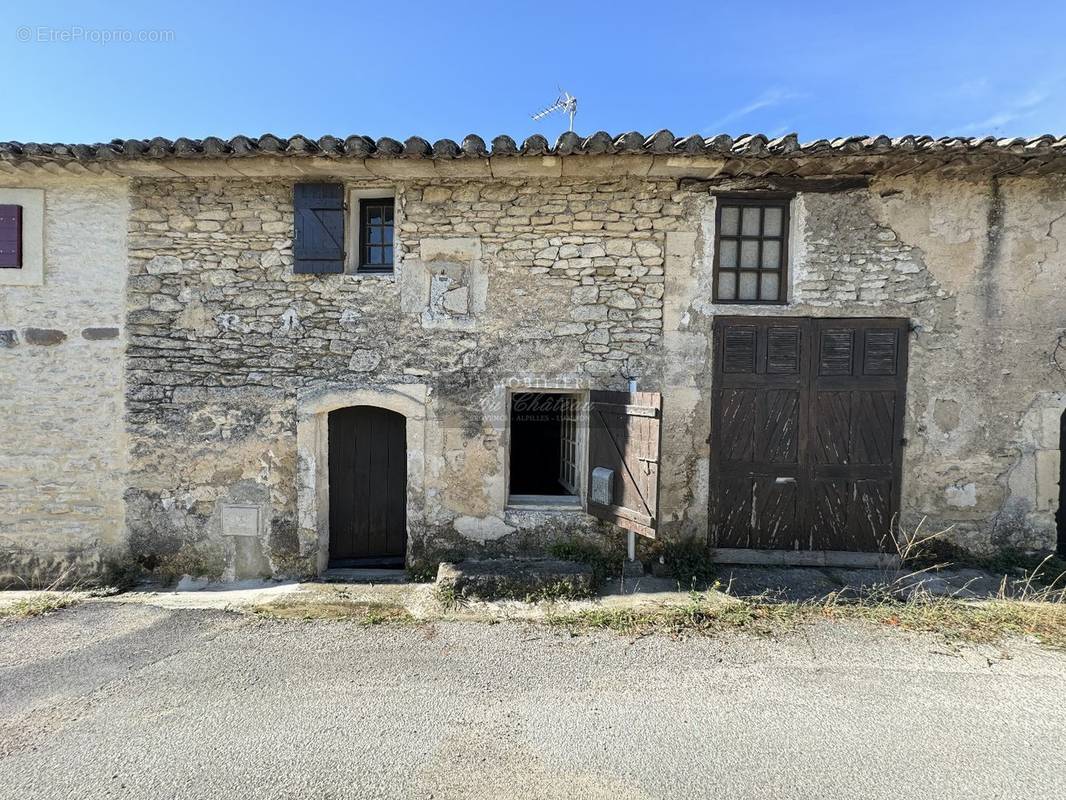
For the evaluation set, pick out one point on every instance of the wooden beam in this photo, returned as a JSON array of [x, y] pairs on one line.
[[775, 183]]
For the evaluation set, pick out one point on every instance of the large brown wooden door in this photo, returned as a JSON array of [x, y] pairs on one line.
[[367, 487], [807, 432]]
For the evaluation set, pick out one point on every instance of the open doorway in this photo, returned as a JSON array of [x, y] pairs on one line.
[[544, 464], [1060, 515]]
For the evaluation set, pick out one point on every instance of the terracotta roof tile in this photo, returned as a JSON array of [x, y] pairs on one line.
[[600, 143]]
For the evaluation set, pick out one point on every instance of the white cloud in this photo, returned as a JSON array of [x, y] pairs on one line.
[[768, 99], [1025, 106], [989, 124]]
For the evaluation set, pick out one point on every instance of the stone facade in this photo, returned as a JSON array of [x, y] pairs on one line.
[[504, 283], [62, 441], [231, 361]]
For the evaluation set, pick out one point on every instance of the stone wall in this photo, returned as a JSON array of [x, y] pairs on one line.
[[498, 284], [231, 360], [62, 443], [976, 266]]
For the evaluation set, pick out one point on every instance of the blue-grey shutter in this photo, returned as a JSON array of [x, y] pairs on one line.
[[10, 236], [318, 238]]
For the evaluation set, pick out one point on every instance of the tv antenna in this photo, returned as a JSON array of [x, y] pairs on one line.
[[566, 103]]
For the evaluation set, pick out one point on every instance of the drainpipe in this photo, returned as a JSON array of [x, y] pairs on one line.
[[631, 539]]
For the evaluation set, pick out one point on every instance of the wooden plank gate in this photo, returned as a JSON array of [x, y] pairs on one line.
[[367, 487], [807, 433]]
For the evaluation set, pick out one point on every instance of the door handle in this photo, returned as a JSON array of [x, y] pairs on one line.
[[784, 479]]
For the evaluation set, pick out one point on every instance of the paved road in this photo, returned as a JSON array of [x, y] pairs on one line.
[[112, 700]]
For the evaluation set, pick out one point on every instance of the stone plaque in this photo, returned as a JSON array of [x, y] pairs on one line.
[[240, 520]]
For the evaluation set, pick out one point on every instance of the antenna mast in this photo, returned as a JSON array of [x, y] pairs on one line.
[[566, 103]]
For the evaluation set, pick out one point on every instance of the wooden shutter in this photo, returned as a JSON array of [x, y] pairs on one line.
[[10, 237], [624, 436], [318, 238]]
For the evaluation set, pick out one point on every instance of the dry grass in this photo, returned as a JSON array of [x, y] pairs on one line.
[[699, 617], [1024, 576], [958, 620], [1031, 606], [966, 621], [336, 609], [54, 596], [40, 605]]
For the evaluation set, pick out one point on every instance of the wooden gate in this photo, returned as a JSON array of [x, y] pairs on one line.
[[367, 487], [807, 433]]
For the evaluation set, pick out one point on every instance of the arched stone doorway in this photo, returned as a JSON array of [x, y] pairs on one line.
[[367, 487], [314, 408]]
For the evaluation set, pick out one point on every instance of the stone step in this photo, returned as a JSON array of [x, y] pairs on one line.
[[363, 575], [516, 578]]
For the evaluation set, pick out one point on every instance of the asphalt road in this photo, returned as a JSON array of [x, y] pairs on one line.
[[112, 700]]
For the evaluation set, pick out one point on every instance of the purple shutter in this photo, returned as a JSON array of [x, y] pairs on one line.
[[10, 237]]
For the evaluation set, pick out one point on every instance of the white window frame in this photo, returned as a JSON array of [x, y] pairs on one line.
[[551, 502], [31, 273], [352, 230]]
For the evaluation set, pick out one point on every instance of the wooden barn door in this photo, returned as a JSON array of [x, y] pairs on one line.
[[367, 487], [807, 432]]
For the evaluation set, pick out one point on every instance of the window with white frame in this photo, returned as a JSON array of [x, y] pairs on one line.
[[545, 447], [371, 231]]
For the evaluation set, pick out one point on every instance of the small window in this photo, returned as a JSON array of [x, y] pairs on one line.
[[375, 234], [751, 251], [10, 237], [544, 447]]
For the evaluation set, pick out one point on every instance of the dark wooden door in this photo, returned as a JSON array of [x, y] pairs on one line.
[[807, 432], [367, 487]]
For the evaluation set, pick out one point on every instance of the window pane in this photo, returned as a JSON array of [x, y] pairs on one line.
[[749, 253], [727, 286], [387, 213], [373, 215], [387, 258], [388, 235], [749, 286], [727, 253], [375, 255], [750, 223], [376, 235], [730, 220], [771, 222], [771, 254], [770, 283]]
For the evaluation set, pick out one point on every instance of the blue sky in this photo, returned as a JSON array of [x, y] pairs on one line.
[[444, 70]]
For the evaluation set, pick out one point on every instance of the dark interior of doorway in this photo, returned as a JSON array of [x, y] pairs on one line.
[[1060, 515], [536, 435]]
